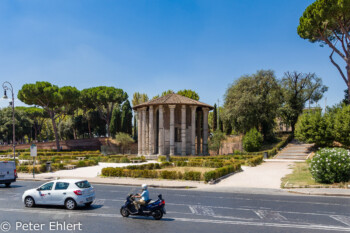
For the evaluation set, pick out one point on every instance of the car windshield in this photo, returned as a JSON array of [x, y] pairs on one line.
[[83, 184]]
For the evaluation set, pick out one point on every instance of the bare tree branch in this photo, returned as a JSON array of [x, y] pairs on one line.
[[338, 67]]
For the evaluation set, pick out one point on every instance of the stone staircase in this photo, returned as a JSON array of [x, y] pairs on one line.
[[295, 150]]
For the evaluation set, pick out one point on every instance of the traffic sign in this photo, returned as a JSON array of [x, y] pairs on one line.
[[33, 150]]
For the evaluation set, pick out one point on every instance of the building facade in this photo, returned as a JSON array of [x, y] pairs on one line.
[[172, 125]]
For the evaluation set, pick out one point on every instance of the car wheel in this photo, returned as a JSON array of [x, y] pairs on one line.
[[70, 204], [88, 204], [29, 202], [124, 212], [157, 215], [8, 185]]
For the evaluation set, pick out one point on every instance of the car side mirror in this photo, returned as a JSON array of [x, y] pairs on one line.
[[38, 189]]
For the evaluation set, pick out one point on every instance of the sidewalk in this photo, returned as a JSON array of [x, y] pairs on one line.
[[262, 179]]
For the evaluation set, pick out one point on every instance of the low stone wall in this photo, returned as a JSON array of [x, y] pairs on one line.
[[231, 144]]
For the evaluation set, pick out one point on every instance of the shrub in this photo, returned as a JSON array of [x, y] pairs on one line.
[[342, 126], [331, 165], [216, 140], [252, 141], [313, 127], [192, 175], [124, 160]]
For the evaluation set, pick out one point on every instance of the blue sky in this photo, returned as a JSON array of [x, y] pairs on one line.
[[150, 46]]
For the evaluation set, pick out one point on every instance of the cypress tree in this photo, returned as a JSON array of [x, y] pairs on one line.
[[215, 118], [116, 123], [126, 118]]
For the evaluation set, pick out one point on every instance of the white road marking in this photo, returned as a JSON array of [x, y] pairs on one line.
[[342, 219], [201, 210], [252, 223], [99, 202], [270, 215]]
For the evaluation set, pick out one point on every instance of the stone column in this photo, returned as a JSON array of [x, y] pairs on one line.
[[205, 131], [143, 131], [139, 132], [146, 134], [199, 132], [172, 129], [161, 131], [183, 130], [193, 128], [150, 131]]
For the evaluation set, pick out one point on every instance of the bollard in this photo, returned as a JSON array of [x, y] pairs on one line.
[[48, 166], [265, 155]]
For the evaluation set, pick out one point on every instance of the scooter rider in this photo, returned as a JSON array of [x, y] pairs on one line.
[[144, 197]]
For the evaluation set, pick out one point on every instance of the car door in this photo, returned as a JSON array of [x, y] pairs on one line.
[[59, 194], [45, 192]]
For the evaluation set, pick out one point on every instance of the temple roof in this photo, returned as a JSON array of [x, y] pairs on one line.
[[173, 99]]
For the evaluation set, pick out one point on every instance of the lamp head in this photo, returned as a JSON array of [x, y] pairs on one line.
[[5, 95]]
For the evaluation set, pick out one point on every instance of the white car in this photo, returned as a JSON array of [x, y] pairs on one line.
[[69, 193]]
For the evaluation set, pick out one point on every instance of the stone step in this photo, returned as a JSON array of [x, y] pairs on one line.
[[292, 157], [290, 150], [295, 154]]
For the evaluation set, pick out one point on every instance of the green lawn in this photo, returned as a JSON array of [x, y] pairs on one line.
[[301, 176]]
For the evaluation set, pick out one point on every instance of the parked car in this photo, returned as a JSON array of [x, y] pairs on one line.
[[8, 172], [68, 192]]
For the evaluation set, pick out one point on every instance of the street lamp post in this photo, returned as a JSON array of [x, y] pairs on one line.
[[7, 86]]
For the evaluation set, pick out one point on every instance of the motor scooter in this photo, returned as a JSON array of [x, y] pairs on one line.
[[156, 209]]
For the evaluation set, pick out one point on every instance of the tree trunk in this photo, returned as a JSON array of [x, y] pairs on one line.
[[293, 128], [348, 70], [89, 126], [108, 131], [35, 132], [52, 116]]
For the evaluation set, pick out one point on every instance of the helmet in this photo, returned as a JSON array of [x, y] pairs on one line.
[[144, 186]]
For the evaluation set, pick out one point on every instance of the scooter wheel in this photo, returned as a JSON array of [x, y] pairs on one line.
[[157, 215], [124, 212]]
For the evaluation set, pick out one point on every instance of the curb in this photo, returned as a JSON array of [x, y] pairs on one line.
[[320, 194], [118, 184]]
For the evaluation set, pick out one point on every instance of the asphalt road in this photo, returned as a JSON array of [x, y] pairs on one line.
[[187, 211]]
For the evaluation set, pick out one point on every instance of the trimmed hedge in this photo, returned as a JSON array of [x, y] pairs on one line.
[[220, 172], [173, 175]]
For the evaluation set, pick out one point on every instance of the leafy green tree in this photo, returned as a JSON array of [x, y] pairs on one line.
[[215, 118], [126, 118], [342, 125], [315, 127], [328, 22], [23, 124], [104, 99], [252, 101], [346, 97], [252, 141], [116, 121], [56, 101], [299, 88], [124, 140], [215, 141], [138, 98], [164, 93], [189, 94], [38, 115]]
